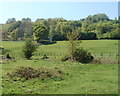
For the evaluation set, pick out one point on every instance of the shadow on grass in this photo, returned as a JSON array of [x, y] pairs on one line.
[[47, 42]]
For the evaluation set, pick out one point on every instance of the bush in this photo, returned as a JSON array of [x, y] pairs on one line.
[[45, 57], [79, 55], [82, 55], [8, 56], [28, 49]]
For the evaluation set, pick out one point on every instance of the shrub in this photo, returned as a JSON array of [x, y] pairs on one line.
[[28, 49], [8, 56], [74, 51], [82, 55], [45, 57]]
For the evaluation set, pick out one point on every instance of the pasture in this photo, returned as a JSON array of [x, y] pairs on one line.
[[77, 79]]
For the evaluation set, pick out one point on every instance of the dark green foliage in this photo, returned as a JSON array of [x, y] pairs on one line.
[[46, 42], [87, 36], [26, 20], [91, 35], [14, 25], [28, 49], [40, 20], [79, 55], [82, 55], [59, 37], [40, 32], [64, 27], [76, 24], [10, 20], [45, 57], [82, 36], [8, 56], [97, 26], [97, 17]]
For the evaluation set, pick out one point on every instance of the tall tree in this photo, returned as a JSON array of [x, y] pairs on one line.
[[40, 32], [10, 20], [26, 20], [51, 33]]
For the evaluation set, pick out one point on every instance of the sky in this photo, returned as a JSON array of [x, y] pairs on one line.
[[66, 10]]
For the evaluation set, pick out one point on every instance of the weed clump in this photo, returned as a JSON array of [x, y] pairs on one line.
[[8, 56], [29, 72], [45, 57]]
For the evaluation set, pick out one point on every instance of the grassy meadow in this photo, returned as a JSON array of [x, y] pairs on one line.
[[77, 78]]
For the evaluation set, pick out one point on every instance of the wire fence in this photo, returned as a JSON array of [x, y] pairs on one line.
[[19, 55]]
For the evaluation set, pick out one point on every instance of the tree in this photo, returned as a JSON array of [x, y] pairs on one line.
[[75, 24], [28, 49], [75, 51], [10, 20], [97, 17], [72, 43], [26, 30], [59, 37], [40, 20], [4, 31], [15, 34], [63, 28], [40, 32], [13, 26], [51, 33], [105, 28], [91, 35], [26, 20]]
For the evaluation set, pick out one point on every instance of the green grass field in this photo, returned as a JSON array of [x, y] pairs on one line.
[[78, 78]]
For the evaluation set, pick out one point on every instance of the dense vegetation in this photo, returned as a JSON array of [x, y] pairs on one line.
[[66, 77], [98, 26], [28, 49], [53, 66]]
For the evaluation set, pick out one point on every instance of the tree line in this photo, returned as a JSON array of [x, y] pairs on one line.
[[97, 26]]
